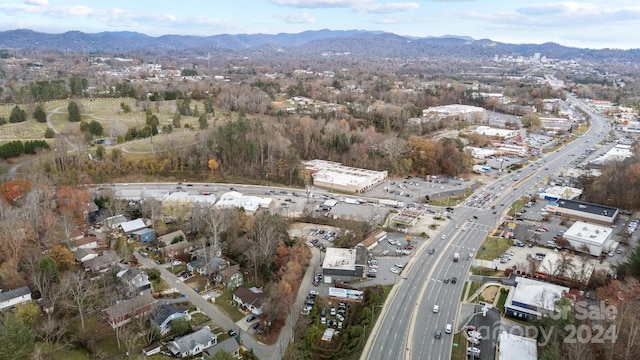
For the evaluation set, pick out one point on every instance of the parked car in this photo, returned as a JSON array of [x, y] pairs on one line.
[[252, 317]]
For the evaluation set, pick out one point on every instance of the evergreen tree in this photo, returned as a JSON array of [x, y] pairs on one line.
[[17, 115], [39, 114], [74, 112]]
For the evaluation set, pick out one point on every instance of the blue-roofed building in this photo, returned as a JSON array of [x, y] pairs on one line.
[[145, 235]]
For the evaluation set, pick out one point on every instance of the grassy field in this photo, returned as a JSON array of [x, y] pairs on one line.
[[515, 207], [464, 292], [27, 130], [475, 285], [459, 351], [159, 285], [502, 299], [450, 200], [483, 271], [225, 303], [492, 248]]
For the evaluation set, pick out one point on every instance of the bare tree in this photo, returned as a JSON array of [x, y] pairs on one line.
[[81, 292], [265, 234], [394, 148], [151, 208], [68, 223]]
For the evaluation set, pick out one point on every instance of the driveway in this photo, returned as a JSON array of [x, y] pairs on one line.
[[263, 351]]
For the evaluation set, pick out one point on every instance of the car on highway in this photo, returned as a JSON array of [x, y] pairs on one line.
[[454, 280], [448, 329], [438, 334], [446, 280], [432, 250], [436, 308], [443, 237]]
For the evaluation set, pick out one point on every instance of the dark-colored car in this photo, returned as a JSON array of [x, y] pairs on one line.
[[454, 280], [438, 334], [432, 250], [323, 312], [232, 333], [256, 325], [251, 318], [446, 280]]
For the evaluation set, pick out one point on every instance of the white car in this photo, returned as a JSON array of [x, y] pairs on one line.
[[398, 265], [443, 237], [395, 270], [456, 226], [386, 252], [436, 308], [313, 292], [176, 263]]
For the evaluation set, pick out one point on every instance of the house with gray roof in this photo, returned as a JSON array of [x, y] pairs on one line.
[[82, 254], [135, 281], [193, 344], [11, 298], [229, 345], [101, 263], [162, 316]]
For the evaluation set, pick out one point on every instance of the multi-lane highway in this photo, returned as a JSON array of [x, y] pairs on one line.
[[407, 328]]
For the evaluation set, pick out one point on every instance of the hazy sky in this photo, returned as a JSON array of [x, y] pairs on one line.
[[590, 23]]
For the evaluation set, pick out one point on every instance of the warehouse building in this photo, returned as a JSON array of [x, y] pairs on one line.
[[341, 263], [334, 176], [589, 238], [514, 347], [583, 211]]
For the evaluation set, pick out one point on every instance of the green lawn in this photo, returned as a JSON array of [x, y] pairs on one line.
[[492, 248], [475, 285], [464, 291], [515, 207], [76, 354], [451, 200], [502, 299], [226, 304], [159, 285], [198, 319], [483, 271], [459, 352]]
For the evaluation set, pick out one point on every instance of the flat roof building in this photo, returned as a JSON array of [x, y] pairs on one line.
[[464, 112], [589, 238], [580, 210], [514, 347], [565, 266], [340, 262], [334, 176], [250, 204], [496, 132], [555, 193], [528, 299]]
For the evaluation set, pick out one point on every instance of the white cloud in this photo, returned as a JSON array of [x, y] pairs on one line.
[[37, 2], [314, 4], [389, 8], [296, 18]]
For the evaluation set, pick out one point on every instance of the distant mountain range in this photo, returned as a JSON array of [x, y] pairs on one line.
[[356, 42]]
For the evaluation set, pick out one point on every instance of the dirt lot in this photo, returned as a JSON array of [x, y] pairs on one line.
[[489, 294]]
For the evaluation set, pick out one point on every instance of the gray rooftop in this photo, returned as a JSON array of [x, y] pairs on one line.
[[587, 207], [12, 294], [187, 342]]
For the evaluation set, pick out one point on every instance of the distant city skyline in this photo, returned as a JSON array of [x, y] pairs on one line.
[[585, 24]]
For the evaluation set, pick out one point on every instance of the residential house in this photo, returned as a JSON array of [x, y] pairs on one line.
[[135, 281], [82, 255], [122, 312], [131, 226], [145, 235], [250, 299], [86, 242], [162, 316], [229, 345], [213, 266], [11, 298], [113, 222], [230, 277], [152, 349], [102, 263], [193, 344], [174, 243]]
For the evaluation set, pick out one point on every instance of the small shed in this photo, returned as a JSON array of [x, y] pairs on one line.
[[145, 235]]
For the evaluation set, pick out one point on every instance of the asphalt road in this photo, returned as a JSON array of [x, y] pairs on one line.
[[407, 327]]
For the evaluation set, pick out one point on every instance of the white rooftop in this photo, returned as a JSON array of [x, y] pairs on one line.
[[514, 347], [588, 233], [248, 203], [338, 174], [536, 293], [339, 259], [567, 266], [453, 109], [563, 192], [183, 196], [491, 131], [617, 153]]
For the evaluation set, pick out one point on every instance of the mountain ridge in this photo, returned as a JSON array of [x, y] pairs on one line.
[[356, 42]]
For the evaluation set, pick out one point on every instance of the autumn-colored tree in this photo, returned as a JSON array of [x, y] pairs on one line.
[[61, 255], [72, 200], [282, 256], [15, 191], [213, 165]]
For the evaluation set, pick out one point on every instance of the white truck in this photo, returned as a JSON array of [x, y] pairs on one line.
[[393, 203], [456, 257]]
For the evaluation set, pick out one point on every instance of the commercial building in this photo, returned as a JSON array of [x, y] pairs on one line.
[[589, 238], [463, 112], [334, 176], [481, 153], [250, 204], [565, 266], [514, 347], [616, 153], [344, 263], [580, 210], [529, 299], [496, 133], [556, 193], [373, 239]]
